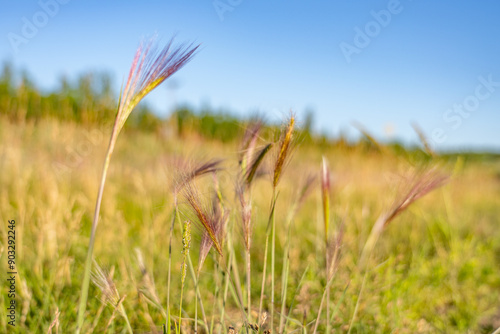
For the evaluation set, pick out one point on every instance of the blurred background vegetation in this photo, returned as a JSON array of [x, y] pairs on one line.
[[90, 100]]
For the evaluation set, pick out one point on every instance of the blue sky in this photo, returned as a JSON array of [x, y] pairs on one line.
[[384, 63]]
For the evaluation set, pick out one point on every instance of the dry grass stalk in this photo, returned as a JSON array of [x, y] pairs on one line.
[[118, 306], [148, 287], [333, 252], [422, 183], [249, 162], [332, 263], [55, 323], [149, 69], [302, 195], [103, 280], [325, 192], [246, 215]]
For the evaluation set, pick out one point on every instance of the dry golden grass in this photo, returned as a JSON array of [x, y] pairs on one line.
[[435, 268]]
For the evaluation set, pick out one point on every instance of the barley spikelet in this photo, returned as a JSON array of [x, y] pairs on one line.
[[188, 173], [207, 217], [104, 281], [252, 168], [246, 215], [249, 143], [421, 184], [150, 68], [284, 150], [186, 244]]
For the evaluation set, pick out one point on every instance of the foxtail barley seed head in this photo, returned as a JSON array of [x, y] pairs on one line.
[[246, 215], [189, 173], [249, 143], [284, 150], [254, 165], [104, 281], [207, 218], [149, 69], [421, 184]]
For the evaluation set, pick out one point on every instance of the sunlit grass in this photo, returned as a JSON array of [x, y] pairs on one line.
[[435, 268]]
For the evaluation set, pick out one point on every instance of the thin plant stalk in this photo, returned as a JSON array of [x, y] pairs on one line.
[[127, 322], [302, 195], [286, 267], [280, 164], [113, 316], [325, 190], [196, 307], [186, 244], [170, 257], [226, 284], [249, 290], [273, 252], [88, 262], [216, 294], [197, 291], [237, 279], [356, 308], [294, 296], [195, 279], [149, 69], [268, 233]]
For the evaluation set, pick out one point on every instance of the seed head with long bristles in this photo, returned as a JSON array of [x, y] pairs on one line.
[[150, 68], [285, 144], [189, 173], [103, 280], [220, 220], [249, 143], [206, 216], [422, 183]]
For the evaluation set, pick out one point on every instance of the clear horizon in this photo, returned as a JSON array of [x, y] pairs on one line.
[[384, 64]]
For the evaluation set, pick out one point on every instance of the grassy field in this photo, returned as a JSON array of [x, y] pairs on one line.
[[434, 269]]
